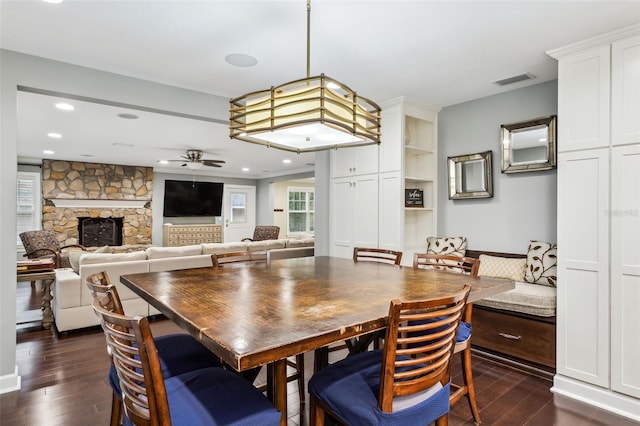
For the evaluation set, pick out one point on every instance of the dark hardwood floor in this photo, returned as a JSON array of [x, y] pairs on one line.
[[64, 383]]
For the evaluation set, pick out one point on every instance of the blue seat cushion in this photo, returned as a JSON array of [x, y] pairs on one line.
[[464, 332], [178, 353], [350, 389], [214, 396]]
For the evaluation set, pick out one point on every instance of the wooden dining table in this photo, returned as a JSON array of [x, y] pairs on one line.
[[257, 313]]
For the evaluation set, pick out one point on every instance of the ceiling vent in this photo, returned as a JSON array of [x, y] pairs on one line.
[[515, 79]]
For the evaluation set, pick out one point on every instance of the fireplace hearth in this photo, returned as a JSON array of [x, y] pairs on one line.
[[97, 232]]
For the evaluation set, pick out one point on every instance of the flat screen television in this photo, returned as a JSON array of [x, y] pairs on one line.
[[187, 198]]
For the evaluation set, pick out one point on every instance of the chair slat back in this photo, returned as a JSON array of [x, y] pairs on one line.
[[99, 284], [419, 342], [377, 255], [238, 256], [136, 361], [447, 262]]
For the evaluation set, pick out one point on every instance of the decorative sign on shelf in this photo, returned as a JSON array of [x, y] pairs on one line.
[[413, 197]]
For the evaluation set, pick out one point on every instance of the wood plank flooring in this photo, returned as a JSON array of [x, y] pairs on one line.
[[64, 383]]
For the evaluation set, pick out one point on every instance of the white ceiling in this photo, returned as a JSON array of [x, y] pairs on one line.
[[440, 52]]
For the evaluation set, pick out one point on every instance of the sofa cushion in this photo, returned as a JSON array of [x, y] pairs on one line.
[[502, 267], [93, 258], [218, 248], [456, 246], [533, 299], [74, 256], [299, 242], [266, 245], [162, 252], [542, 259], [184, 262]]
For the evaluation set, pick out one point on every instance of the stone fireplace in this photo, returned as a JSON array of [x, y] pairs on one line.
[[74, 192]]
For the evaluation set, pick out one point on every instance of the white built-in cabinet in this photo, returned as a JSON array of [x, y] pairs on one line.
[[598, 316], [354, 199], [368, 184], [408, 160]]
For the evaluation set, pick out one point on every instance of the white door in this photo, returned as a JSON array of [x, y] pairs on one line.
[[239, 216]]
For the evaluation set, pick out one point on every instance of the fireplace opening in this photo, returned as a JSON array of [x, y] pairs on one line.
[[97, 232]]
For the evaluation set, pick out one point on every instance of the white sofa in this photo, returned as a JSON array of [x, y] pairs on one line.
[[72, 300]]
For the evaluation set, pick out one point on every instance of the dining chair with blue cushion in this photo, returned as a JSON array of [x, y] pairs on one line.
[[469, 266], [406, 382], [207, 396], [177, 353]]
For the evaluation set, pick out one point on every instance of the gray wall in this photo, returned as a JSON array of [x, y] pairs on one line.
[[523, 206]]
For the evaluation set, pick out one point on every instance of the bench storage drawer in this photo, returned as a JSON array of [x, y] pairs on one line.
[[525, 337]]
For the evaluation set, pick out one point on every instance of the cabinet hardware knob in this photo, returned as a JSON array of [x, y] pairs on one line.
[[510, 336]]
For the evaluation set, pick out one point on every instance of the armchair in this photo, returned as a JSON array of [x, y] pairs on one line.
[[264, 232], [44, 243]]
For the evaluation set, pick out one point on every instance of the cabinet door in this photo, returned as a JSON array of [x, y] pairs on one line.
[[583, 266], [342, 217], [354, 161], [365, 217], [583, 100], [391, 220], [625, 91], [625, 270]]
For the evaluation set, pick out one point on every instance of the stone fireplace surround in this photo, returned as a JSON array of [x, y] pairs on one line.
[[72, 190]]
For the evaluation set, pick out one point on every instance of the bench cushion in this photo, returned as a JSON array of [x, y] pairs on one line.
[[532, 299]]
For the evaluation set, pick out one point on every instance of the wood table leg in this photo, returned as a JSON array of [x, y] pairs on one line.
[[320, 358], [280, 389], [47, 313]]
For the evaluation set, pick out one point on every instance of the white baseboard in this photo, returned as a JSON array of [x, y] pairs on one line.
[[606, 399], [10, 382]]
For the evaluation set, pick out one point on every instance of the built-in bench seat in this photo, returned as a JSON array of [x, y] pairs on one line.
[[518, 326]]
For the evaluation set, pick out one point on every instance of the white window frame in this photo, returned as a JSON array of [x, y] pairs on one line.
[[307, 210], [33, 208]]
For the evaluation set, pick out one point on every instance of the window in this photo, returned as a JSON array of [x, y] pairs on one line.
[[29, 217], [301, 210], [238, 207]]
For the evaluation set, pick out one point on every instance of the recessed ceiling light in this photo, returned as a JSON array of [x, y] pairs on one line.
[[128, 145], [54, 135], [163, 161], [64, 106], [48, 152], [53, 1], [286, 161], [245, 169], [241, 60], [128, 116]]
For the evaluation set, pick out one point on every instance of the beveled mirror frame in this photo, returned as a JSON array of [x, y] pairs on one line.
[[536, 143], [470, 176]]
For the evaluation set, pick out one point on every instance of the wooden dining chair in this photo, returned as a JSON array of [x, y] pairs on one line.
[[406, 382], [202, 396], [178, 353], [377, 255], [297, 363], [470, 266], [219, 259]]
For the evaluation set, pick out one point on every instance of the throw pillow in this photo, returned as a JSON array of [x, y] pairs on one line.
[[502, 267], [456, 246], [542, 263]]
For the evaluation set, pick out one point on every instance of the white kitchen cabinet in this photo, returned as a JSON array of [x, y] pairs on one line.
[[599, 221], [354, 213]]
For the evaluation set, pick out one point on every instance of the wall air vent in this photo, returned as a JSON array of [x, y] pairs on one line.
[[515, 79]]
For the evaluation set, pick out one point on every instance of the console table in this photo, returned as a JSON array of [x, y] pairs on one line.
[[183, 235], [47, 279]]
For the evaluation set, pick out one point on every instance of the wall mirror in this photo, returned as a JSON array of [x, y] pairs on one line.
[[529, 145], [470, 176]]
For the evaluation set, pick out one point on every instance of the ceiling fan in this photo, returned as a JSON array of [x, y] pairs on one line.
[[194, 161]]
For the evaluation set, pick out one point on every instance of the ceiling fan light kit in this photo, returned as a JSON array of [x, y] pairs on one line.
[[306, 115]]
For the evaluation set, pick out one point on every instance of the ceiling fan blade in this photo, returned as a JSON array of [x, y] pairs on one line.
[[212, 162]]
